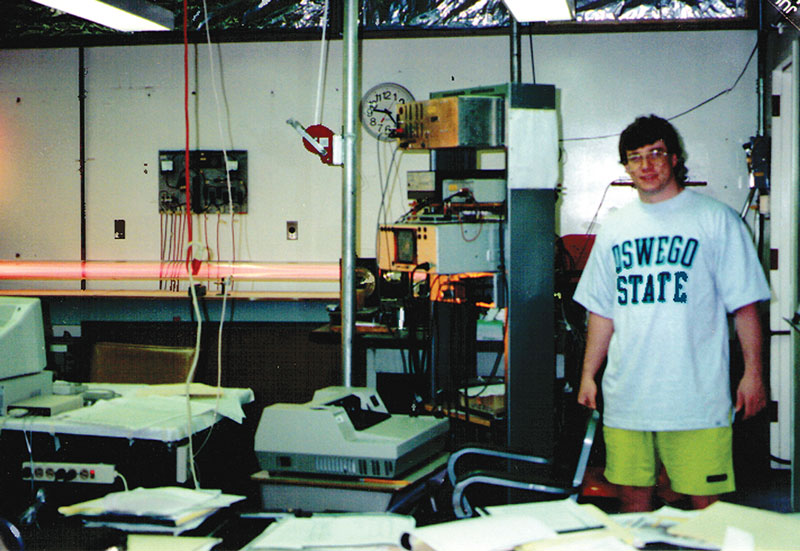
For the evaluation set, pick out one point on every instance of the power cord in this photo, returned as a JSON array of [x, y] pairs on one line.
[[124, 480]]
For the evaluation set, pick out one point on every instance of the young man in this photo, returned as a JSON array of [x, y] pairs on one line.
[[663, 274]]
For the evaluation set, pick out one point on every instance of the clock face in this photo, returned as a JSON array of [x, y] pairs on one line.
[[379, 109]]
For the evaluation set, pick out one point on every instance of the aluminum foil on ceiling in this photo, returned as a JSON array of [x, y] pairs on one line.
[[433, 13], [493, 13], [671, 10], [396, 14], [260, 14], [28, 20], [374, 14]]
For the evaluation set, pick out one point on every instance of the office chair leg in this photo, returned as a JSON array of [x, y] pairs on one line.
[[28, 517], [461, 506]]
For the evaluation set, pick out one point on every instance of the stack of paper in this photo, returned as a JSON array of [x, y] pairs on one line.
[[170, 509], [563, 515], [152, 542], [377, 531], [492, 533], [655, 527], [767, 530], [581, 527], [137, 413]]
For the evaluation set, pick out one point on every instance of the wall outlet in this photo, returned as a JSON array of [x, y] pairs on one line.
[[291, 230], [119, 229]]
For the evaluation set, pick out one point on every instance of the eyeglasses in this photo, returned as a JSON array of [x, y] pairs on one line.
[[652, 155]]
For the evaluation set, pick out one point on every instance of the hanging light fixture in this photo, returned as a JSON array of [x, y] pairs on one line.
[[525, 11], [123, 15]]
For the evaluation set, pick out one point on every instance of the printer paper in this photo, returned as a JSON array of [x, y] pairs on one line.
[[136, 413], [169, 509], [492, 533], [771, 530], [563, 515], [344, 531]]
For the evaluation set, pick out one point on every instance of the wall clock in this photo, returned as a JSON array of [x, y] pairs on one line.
[[379, 108]]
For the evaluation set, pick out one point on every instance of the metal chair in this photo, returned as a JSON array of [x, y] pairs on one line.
[[10, 536], [546, 477]]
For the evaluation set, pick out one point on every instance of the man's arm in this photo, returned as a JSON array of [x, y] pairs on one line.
[[751, 396], [598, 335]]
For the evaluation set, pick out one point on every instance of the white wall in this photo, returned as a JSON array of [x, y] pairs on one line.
[[134, 108], [39, 178]]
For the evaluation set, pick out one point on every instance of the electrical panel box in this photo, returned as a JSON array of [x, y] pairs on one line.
[[454, 121], [209, 174], [449, 247]]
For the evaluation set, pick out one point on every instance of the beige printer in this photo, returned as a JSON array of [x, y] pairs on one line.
[[345, 431]]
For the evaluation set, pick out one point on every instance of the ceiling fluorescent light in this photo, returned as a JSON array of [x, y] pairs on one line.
[[123, 15], [525, 11]]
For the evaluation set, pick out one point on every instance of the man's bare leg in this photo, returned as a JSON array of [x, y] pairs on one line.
[[701, 502], [636, 499]]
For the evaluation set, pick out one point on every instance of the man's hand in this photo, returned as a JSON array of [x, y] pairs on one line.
[[599, 331], [587, 393], [751, 396]]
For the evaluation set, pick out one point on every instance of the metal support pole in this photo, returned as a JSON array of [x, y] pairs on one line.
[[348, 293], [516, 52], [795, 347], [530, 348], [82, 149]]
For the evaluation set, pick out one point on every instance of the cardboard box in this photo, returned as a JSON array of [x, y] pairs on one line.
[[139, 363]]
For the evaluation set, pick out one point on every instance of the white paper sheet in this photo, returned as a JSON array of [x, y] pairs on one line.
[[738, 540], [492, 533], [167, 502], [164, 502], [136, 413], [562, 515], [344, 531], [770, 530]]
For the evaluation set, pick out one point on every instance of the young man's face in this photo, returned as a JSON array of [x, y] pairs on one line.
[[651, 169]]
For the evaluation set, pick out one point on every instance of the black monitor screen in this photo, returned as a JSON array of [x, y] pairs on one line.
[[406, 241]]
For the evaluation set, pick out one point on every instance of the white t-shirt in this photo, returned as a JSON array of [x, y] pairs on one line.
[[667, 274]]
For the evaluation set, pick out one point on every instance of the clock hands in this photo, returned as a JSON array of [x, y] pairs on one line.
[[387, 112]]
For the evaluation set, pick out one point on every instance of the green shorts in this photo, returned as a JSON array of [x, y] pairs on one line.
[[698, 462]]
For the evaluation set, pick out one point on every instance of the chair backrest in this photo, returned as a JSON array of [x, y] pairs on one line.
[[573, 447], [561, 475], [139, 363], [586, 450]]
